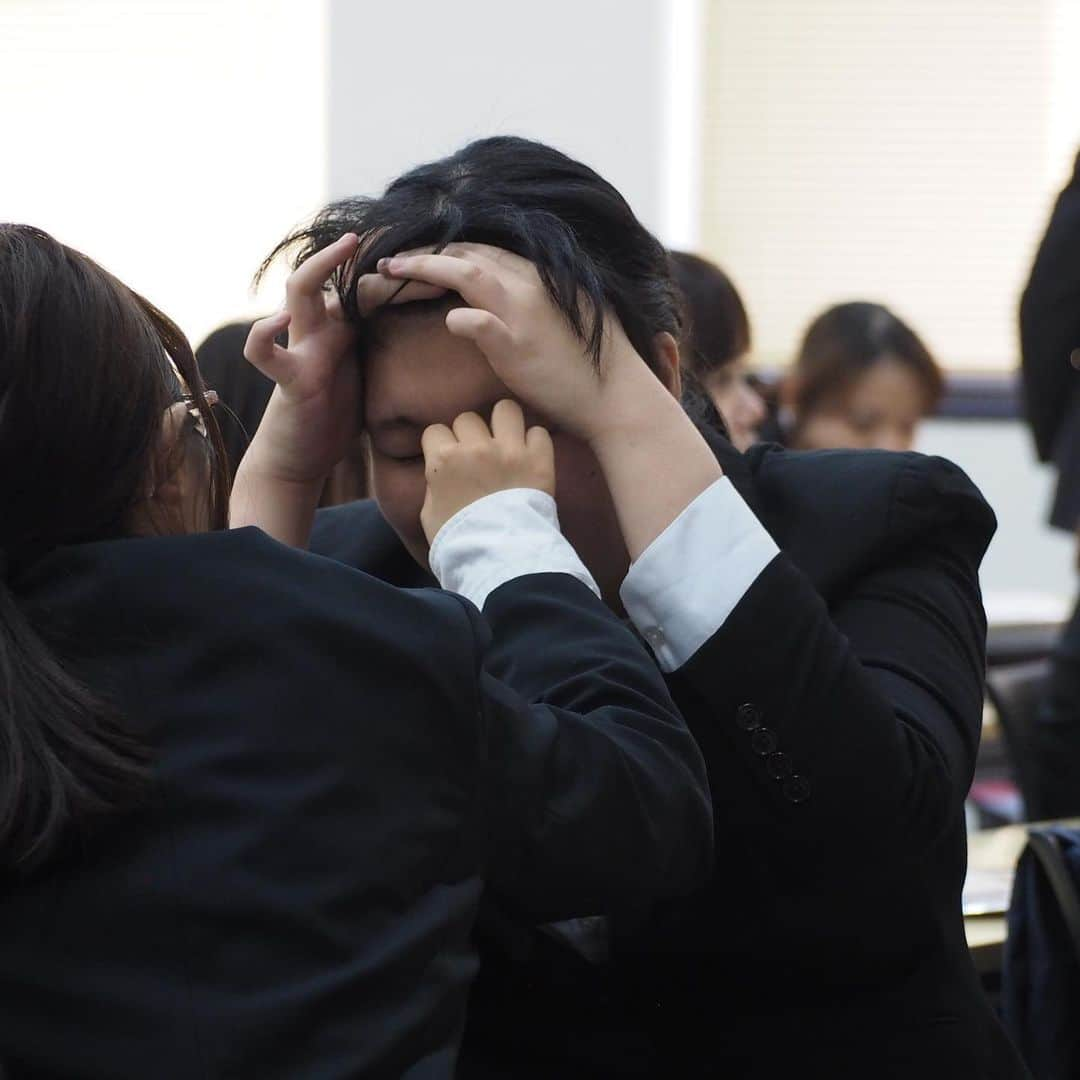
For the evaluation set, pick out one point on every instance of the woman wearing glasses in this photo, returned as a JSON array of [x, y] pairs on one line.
[[249, 797]]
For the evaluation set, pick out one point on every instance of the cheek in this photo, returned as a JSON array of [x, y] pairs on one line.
[[399, 491]]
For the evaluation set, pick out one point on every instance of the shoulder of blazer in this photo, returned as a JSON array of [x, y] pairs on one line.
[[357, 534], [841, 513]]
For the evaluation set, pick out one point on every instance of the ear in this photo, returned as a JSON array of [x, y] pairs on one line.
[[666, 362]]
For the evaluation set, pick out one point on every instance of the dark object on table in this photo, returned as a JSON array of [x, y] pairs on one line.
[[1041, 988]]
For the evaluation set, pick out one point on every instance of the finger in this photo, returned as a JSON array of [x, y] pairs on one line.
[[478, 285], [374, 290], [538, 439], [494, 258], [383, 265], [508, 422], [263, 353], [469, 427], [304, 289], [435, 441], [486, 331]]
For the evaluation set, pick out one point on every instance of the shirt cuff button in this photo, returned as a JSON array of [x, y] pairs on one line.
[[797, 789], [748, 717]]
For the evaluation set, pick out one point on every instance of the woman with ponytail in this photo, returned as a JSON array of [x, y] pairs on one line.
[[249, 797]]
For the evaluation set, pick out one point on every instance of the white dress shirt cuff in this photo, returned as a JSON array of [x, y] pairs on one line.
[[500, 537], [686, 583]]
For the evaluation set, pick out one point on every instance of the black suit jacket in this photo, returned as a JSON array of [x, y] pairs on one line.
[[839, 710], [335, 775], [1049, 331]]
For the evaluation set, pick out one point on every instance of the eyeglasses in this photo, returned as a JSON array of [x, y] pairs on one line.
[[199, 421]]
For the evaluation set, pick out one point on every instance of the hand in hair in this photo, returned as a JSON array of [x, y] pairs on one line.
[[311, 418], [652, 457], [469, 461], [528, 342]]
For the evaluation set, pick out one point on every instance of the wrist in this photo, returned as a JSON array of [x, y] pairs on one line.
[[635, 407]]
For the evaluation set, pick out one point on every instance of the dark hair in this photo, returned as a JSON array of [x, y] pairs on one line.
[[85, 380], [592, 253], [717, 330], [847, 340], [242, 388]]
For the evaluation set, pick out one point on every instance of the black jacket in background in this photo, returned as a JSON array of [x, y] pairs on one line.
[[335, 776], [839, 711], [1049, 331]]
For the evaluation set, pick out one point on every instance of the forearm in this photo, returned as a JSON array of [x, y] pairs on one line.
[[606, 801], [284, 509], [654, 460]]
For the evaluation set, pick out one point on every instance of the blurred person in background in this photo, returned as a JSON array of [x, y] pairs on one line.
[[715, 342], [862, 379], [1049, 338]]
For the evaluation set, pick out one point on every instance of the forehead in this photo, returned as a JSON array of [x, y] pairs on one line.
[[891, 387], [420, 374]]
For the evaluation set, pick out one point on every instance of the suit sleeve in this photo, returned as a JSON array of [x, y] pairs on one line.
[[599, 802], [858, 723], [1050, 322]]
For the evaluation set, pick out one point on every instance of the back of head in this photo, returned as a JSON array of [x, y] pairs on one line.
[[846, 340], [590, 250], [717, 330], [87, 371]]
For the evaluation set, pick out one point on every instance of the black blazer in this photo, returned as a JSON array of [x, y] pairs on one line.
[[336, 774], [1049, 331], [839, 711]]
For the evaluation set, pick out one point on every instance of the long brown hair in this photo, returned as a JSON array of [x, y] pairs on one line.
[[87, 372]]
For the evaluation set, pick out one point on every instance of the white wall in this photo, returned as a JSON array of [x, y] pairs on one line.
[[173, 142], [1029, 565], [416, 79]]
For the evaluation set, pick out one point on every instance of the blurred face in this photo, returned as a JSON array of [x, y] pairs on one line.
[[739, 403], [881, 410], [420, 375]]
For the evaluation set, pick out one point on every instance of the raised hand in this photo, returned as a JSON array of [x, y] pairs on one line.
[[468, 461], [311, 418], [522, 334]]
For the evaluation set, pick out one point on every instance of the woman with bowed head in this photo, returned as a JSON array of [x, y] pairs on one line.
[[817, 617], [249, 797]]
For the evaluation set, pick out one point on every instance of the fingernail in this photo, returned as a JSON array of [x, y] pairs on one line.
[[382, 264]]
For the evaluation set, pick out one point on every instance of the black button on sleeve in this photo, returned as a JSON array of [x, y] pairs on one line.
[[778, 766], [797, 789], [748, 716], [763, 742]]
